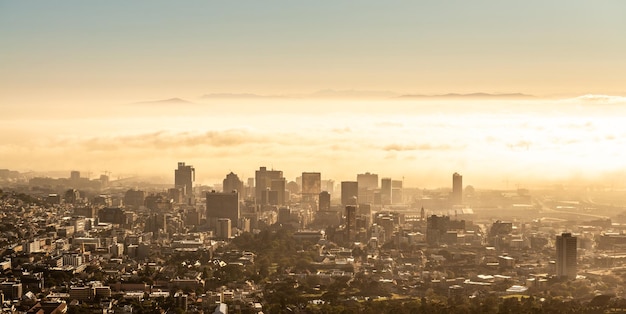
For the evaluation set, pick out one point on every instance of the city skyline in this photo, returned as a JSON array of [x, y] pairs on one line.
[[353, 156]]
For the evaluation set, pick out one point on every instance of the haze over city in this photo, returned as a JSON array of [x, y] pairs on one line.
[[312, 157]]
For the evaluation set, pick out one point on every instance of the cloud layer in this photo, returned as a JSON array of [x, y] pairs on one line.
[[425, 144]]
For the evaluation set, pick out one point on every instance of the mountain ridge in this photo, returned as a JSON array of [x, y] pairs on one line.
[[469, 95]]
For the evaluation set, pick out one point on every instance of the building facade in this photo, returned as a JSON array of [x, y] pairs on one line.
[[184, 177], [457, 189], [566, 256], [222, 205], [349, 193]]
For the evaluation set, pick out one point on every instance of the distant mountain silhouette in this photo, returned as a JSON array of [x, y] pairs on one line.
[[331, 93], [326, 93], [339, 94], [236, 96], [471, 95], [164, 101]]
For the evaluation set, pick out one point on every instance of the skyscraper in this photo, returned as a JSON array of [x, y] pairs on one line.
[[368, 183], [457, 189], [184, 177], [278, 186], [385, 191], [222, 205], [324, 201], [397, 191], [349, 192], [566, 256], [367, 180], [311, 183], [263, 180], [232, 183], [311, 188], [350, 222]]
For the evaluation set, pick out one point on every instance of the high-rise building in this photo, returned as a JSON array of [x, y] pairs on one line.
[[311, 183], [184, 177], [566, 256], [324, 202], [222, 205], [232, 183], [367, 180], [368, 184], [134, 198], [437, 228], [396, 192], [223, 228], [278, 186], [349, 193], [386, 189], [457, 189], [311, 188], [263, 180], [350, 222]]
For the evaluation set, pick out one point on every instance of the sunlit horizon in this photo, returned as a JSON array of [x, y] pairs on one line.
[[317, 87], [494, 143]]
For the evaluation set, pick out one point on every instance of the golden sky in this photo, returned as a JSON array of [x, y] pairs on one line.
[[71, 73], [73, 51]]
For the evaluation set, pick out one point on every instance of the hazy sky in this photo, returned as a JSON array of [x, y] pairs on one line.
[[497, 143], [70, 71], [64, 51]]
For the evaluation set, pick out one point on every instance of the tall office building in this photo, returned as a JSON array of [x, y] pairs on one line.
[[457, 189], [134, 198], [349, 193], [437, 228], [184, 177], [367, 180], [223, 228], [396, 192], [324, 201], [566, 256], [263, 180], [350, 222], [386, 189], [278, 187], [368, 183], [311, 183], [232, 183], [311, 188], [222, 205]]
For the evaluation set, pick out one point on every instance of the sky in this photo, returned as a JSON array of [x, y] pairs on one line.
[[72, 74], [72, 51]]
